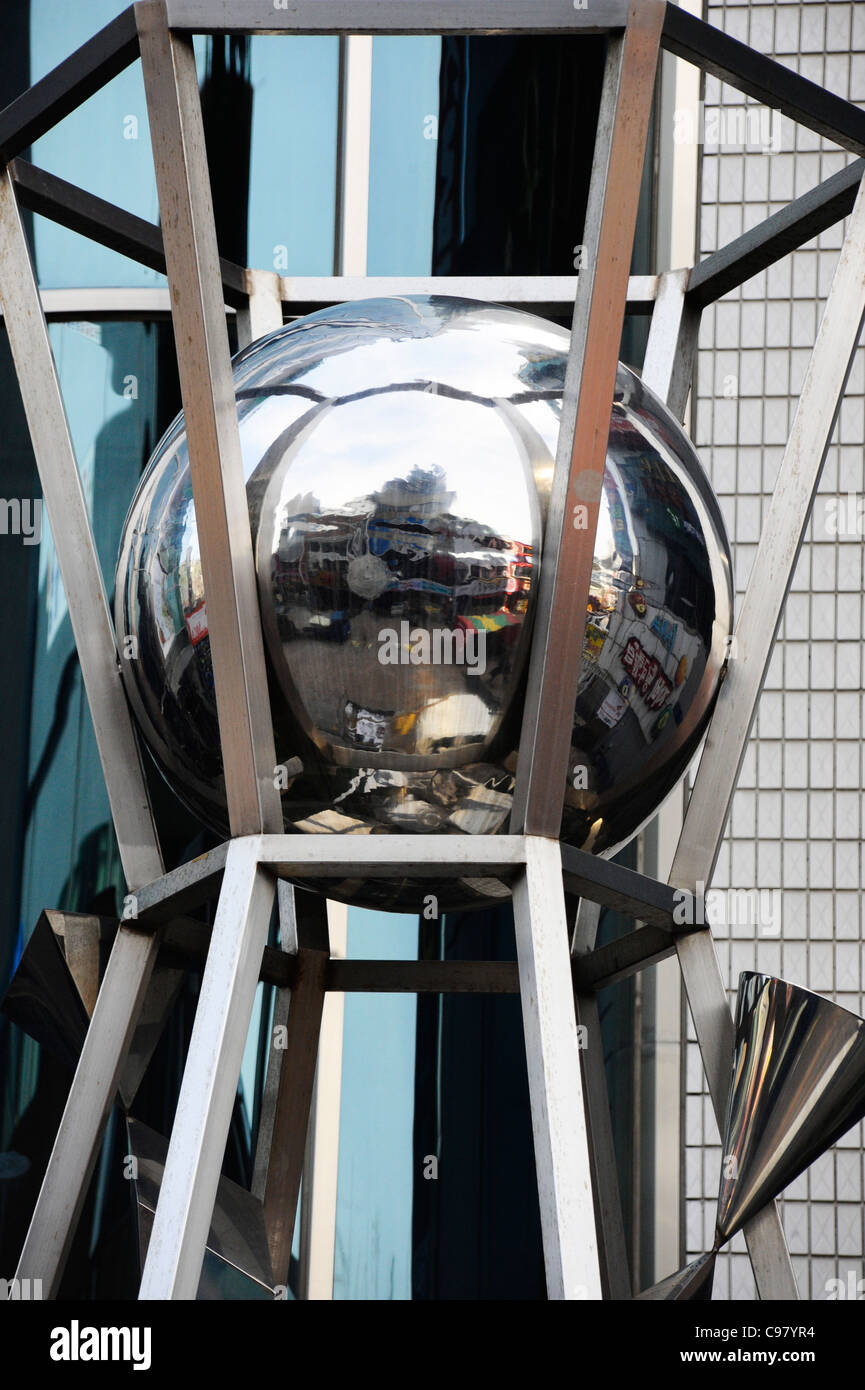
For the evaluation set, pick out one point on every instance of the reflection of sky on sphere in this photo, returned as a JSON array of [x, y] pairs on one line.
[[262, 421], [389, 435], [379, 352]]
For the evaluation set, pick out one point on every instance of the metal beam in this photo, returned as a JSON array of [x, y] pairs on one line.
[[207, 388], [289, 1084], [769, 241], [262, 312], [616, 960], [609, 1221], [423, 977], [763, 78], [543, 294], [201, 1123], [612, 885], [396, 17], [310, 856], [107, 224], [101, 302], [185, 942], [668, 365], [88, 69], [555, 1085], [354, 121], [381, 856], [319, 1195], [557, 641], [299, 856]]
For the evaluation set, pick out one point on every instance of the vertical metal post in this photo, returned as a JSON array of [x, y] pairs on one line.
[[668, 366], [134, 953], [221, 512], [609, 1222], [555, 1087], [263, 313], [321, 1162], [353, 153], [194, 1161], [290, 1078], [246, 730], [599, 313]]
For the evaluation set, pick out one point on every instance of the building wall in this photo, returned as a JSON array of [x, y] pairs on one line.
[[795, 823]]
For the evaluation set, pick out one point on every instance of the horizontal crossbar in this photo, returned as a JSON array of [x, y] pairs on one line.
[[776, 236], [397, 16], [625, 956], [543, 294], [407, 856], [612, 885], [107, 224], [185, 942], [763, 78]]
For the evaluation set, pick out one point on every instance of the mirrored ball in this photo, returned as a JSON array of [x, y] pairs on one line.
[[398, 456]]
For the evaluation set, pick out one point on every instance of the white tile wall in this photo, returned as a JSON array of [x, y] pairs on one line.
[[797, 816]]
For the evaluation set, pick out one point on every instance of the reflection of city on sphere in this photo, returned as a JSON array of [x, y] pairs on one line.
[[399, 456]]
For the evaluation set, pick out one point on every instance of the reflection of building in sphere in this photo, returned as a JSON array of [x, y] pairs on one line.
[[399, 456]]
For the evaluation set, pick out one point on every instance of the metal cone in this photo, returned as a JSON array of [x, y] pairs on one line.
[[798, 1084]]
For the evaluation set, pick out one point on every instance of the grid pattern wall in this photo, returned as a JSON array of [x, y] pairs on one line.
[[797, 816]]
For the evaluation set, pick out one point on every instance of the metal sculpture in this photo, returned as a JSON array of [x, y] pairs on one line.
[[583, 1255]]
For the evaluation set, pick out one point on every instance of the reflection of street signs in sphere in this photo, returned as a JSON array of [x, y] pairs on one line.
[[612, 709]]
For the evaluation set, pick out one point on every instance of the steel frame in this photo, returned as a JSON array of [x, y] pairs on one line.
[[244, 873]]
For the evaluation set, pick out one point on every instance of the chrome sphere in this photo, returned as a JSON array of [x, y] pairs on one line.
[[398, 455]]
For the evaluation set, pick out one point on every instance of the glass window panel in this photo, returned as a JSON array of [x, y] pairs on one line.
[[403, 145], [293, 169], [103, 146], [374, 1202], [108, 377]]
